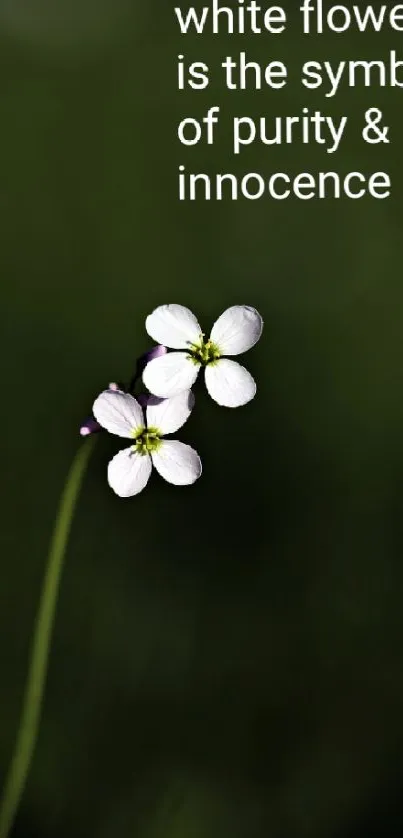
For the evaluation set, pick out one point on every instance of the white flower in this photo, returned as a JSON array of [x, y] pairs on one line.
[[228, 383], [129, 471]]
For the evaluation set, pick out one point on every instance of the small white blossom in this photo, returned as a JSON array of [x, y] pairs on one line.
[[129, 471], [174, 326]]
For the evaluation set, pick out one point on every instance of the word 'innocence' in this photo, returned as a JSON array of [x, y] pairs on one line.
[[281, 186], [253, 18]]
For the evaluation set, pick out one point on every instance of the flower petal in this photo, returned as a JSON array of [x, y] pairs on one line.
[[168, 415], [129, 472], [177, 463], [237, 330], [118, 413], [229, 384], [171, 374], [174, 326]]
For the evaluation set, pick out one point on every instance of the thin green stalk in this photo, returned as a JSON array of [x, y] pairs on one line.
[[36, 678]]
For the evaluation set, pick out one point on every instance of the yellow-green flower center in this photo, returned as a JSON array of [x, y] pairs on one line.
[[205, 352], [147, 440]]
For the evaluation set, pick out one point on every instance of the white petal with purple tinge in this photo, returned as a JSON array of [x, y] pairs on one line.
[[168, 415], [177, 463], [174, 326], [170, 375], [118, 413], [237, 330], [129, 472], [229, 384]]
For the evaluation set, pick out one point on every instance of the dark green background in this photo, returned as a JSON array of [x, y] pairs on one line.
[[227, 659]]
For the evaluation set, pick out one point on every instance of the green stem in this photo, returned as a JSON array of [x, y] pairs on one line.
[[35, 684]]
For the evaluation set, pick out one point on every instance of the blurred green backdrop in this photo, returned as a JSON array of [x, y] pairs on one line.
[[227, 659]]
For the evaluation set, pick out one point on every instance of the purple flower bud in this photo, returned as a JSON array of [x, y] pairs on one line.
[[116, 387], [90, 426], [155, 352], [142, 362], [144, 399]]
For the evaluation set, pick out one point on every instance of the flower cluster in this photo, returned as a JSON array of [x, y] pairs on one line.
[[169, 376]]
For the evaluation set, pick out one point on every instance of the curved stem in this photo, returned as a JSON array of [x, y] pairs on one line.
[[35, 684]]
